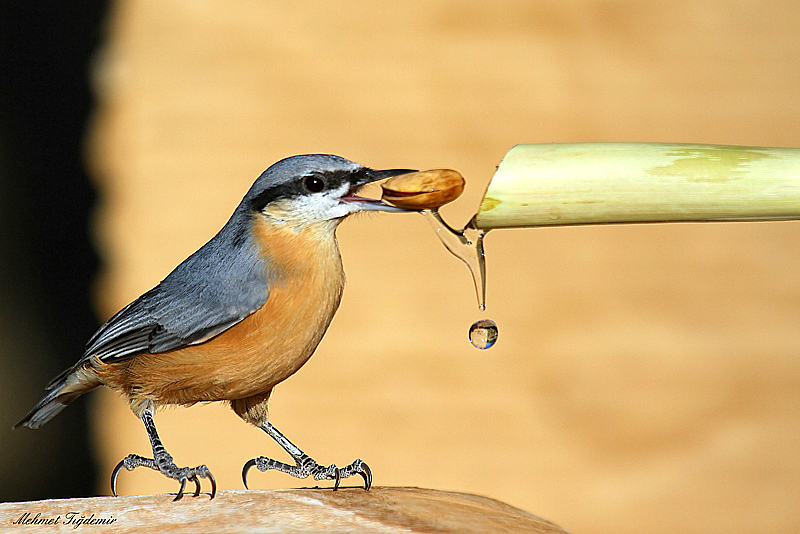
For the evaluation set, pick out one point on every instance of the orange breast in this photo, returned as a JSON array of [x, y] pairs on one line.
[[263, 349]]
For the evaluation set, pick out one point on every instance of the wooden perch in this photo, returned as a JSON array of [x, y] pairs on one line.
[[602, 183], [384, 510]]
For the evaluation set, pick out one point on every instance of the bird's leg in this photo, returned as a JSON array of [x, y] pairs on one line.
[[304, 465], [162, 461]]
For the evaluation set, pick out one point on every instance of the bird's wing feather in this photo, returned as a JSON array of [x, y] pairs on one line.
[[204, 296]]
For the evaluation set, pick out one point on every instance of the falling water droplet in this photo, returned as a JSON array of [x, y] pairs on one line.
[[483, 334]]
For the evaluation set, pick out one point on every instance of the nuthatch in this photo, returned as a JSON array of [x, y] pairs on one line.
[[235, 319]]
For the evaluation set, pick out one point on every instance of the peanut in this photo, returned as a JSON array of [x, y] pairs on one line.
[[423, 190]]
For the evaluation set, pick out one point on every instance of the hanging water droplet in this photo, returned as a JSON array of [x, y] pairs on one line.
[[483, 334], [466, 245]]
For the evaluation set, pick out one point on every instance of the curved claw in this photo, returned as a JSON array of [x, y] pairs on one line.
[[196, 486], [114, 475], [179, 496], [213, 484], [338, 479], [245, 469], [366, 474]]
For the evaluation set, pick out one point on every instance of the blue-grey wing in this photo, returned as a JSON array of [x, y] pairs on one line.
[[166, 318], [212, 290]]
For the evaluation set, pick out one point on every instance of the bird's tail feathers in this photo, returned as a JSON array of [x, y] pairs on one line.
[[61, 394]]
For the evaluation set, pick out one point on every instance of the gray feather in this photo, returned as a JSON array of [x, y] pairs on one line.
[[47, 408], [213, 289]]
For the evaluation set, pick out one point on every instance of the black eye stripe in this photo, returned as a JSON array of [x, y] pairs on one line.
[[299, 186]]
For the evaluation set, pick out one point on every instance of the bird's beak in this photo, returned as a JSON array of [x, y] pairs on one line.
[[369, 204]]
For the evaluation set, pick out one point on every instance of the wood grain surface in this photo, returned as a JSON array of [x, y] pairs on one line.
[[385, 510]]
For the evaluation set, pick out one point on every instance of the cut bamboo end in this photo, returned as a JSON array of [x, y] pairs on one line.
[[607, 183]]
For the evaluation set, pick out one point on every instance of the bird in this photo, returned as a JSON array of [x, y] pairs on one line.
[[233, 320]]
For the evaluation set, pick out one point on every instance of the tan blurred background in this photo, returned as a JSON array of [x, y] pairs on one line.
[[646, 378]]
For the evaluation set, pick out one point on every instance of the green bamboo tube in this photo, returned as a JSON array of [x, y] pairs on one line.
[[606, 183]]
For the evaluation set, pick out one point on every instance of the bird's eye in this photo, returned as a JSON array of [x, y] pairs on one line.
[[314, 184]]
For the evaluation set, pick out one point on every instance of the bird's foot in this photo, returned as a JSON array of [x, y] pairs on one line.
[[306, 466], [164, 464]]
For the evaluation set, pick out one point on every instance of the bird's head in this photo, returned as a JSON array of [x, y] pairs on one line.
[[307, 189]]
